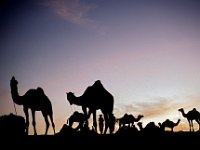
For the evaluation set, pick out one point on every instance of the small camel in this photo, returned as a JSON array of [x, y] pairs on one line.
[[168, 124], [128, 119], [81, 118], [191, 115], [151, 128]]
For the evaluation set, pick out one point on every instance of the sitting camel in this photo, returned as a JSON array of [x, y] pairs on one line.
[[81, 118], [128, 119], [150, 128], [168, 124]]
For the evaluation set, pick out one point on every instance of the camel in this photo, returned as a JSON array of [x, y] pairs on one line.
[[81, 118], [169, 124], [150, 128], [128, 119], [35, 100], [94, 98], [191, 115]]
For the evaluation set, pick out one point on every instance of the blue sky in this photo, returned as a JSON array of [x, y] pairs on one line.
[[146, 53]]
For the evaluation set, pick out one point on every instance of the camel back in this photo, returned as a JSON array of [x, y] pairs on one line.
[[97, 97]]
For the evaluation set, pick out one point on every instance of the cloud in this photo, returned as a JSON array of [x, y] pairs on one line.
[[150, 109], [73, 11]]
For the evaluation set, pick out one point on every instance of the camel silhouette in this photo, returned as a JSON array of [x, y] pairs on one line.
[[95, 97], [191, 115], [150, 128], [36, 100], [81, 118], [168, 124], [128, 119]]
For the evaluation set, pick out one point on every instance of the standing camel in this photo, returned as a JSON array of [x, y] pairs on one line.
[[36, 100], [128, 119], [191, 115], [169, 124], [95, 97]]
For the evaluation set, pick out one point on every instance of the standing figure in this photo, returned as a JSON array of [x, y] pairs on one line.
[[101, 123]]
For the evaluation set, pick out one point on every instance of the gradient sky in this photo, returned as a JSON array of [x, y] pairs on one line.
[[146, 54]]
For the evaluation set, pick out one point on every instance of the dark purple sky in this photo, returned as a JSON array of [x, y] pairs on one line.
[[146, 53]]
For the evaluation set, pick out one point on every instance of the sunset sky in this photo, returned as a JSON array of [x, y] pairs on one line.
[[145, 52]]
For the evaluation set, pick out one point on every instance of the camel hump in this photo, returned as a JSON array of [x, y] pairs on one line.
[[40, 90], [97, 87], [97, 84]]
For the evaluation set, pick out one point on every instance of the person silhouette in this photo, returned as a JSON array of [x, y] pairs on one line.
[[101, 123]]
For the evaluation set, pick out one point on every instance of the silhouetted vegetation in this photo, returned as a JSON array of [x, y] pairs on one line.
[[12, 125]]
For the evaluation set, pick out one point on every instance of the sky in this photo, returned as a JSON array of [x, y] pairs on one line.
[[146, 54]]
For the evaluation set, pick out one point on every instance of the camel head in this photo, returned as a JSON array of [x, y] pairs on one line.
[[140, 116], [181, 109], [178, 121], [70, 97], [13, 81]]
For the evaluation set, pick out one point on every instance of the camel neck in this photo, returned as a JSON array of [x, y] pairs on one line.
[[78, 101], [177, 122], [15, 95], [183, 113]]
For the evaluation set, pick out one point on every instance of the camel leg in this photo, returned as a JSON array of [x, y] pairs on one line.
[[94, 121], [189, 125], [70, 123], [80, 125], [198, 121], [199, 124], [52, 123], [47, 123], [84, 110], [33, 122], [27, 119], [106, 122], [192, 126]]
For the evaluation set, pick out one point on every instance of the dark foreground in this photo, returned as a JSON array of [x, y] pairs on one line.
[[68, 139]]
